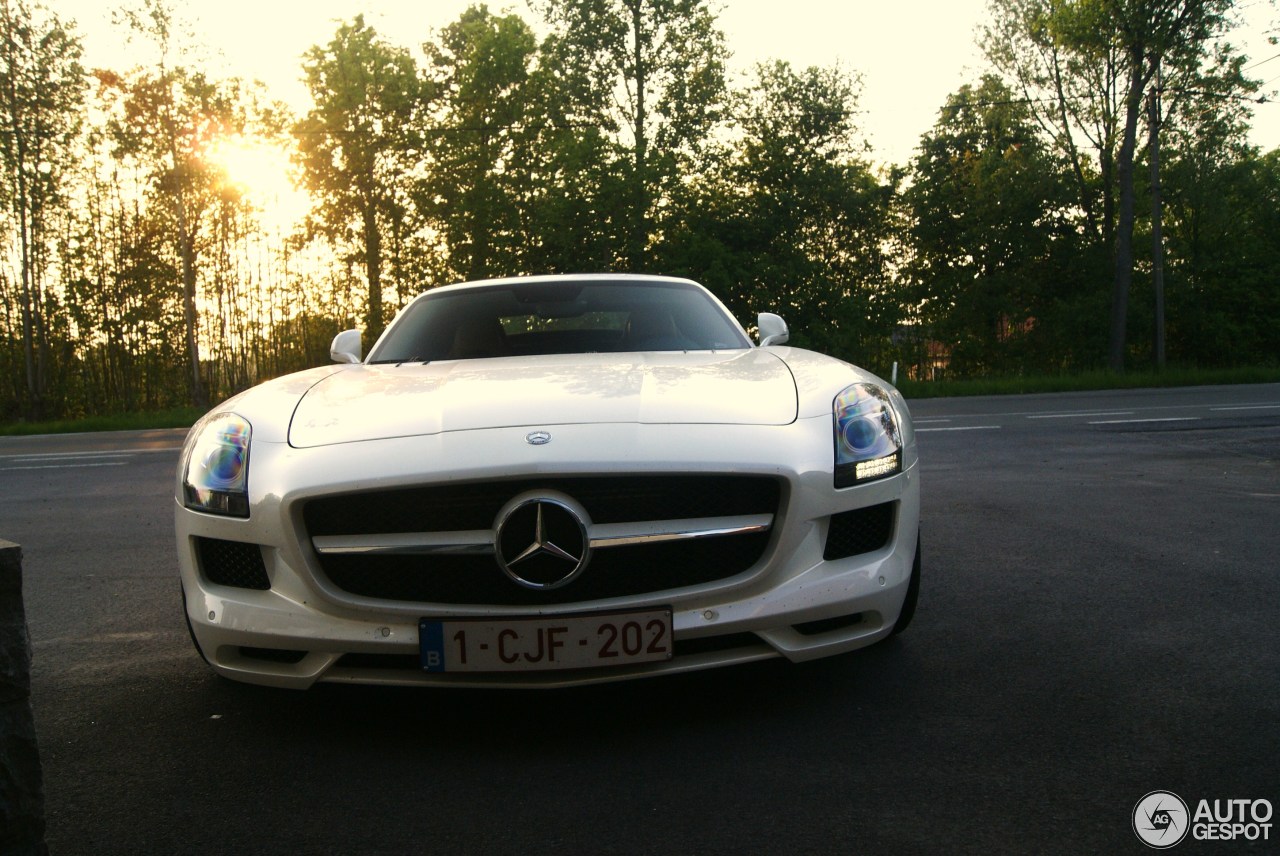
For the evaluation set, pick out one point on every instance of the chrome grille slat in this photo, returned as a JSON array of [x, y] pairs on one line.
[[481, 542]]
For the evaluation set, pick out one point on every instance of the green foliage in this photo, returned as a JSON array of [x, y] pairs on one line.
[[41, 113], [1070, 92], [995, 268], [650, 75], [1092, 63], [356, 146], [1224, 292], [790, 220], [161, 121], [481, 161]]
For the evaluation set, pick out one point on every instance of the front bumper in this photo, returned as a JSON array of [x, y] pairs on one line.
[[793, 603]]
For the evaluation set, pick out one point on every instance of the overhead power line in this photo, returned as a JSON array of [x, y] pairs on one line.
[[1262, 62]]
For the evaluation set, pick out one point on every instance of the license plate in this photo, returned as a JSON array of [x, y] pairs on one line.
[[544, 643]]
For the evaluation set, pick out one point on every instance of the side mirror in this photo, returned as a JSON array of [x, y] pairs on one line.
[[773, 330], [345, 347]]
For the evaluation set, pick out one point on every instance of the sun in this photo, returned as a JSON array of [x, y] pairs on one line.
[[260, 171]]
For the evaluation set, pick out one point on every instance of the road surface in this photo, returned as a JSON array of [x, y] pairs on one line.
[[1098, 620]]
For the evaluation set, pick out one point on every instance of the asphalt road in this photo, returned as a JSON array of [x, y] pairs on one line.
[[1098, 620]]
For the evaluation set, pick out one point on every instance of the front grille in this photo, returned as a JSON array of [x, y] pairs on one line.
[[862, 530], [232, 563], [617, 572], [614, 572]]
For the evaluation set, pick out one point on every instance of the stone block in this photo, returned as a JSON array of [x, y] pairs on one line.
[[22, 821]]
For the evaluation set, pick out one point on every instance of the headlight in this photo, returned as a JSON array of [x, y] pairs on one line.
[[217, 467], [868, 443]]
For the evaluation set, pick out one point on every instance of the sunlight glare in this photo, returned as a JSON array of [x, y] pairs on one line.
[[260, 171]]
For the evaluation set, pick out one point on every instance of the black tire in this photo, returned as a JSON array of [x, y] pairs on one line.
[[913, 595], [187, 618]]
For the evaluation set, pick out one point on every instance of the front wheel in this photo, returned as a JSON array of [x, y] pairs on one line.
[[190, 631], [913, 595]]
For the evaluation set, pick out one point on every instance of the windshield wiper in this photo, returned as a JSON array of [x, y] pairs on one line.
[[399, 362]]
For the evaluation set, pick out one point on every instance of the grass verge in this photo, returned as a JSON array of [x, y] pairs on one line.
[[181, 417], [1086, 382]]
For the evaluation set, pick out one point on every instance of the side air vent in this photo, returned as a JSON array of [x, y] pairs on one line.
[[862, 530], [232, 563]]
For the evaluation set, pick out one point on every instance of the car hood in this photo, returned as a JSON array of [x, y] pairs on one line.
[[371, 402]]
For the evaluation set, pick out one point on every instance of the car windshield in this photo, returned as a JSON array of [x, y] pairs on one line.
[[558, 317]]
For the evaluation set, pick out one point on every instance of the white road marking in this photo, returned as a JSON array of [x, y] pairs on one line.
[[65, 461], [962, 428], [97, 453], [85, 456], [65, 466], [1250, 407], [1132, 421], [1075, 413], [75, 460]]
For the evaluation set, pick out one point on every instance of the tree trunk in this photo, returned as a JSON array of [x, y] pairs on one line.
[[30, 308], [639, 237], [373, 273], [1157, 216], [1073, 155], [187, 251], [29, 298], [479, 212], [187, 259], [1124, 226]]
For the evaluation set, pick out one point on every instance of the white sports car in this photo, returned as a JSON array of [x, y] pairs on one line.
[[548, 481]]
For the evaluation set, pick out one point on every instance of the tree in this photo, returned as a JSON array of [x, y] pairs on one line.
[[42, 90], [574, 198], [1048, 44], [989, 229], [651, 73], [1072, 95], [356, 145], [478, 74], [1224, 306], [1221, 213], [1151, 34], [791, 220], [167, 119]]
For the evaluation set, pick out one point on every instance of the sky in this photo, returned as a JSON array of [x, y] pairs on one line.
[[910, 53]]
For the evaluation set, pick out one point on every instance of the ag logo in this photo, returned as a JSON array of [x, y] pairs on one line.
[[1160, 819]]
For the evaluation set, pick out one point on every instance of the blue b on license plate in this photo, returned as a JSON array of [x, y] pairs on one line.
[[545, 642]]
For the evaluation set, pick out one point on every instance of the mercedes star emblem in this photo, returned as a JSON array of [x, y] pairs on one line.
[[542, 544]]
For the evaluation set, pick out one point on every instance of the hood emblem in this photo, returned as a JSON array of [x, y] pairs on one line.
[[538, 438], [542, 544]]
